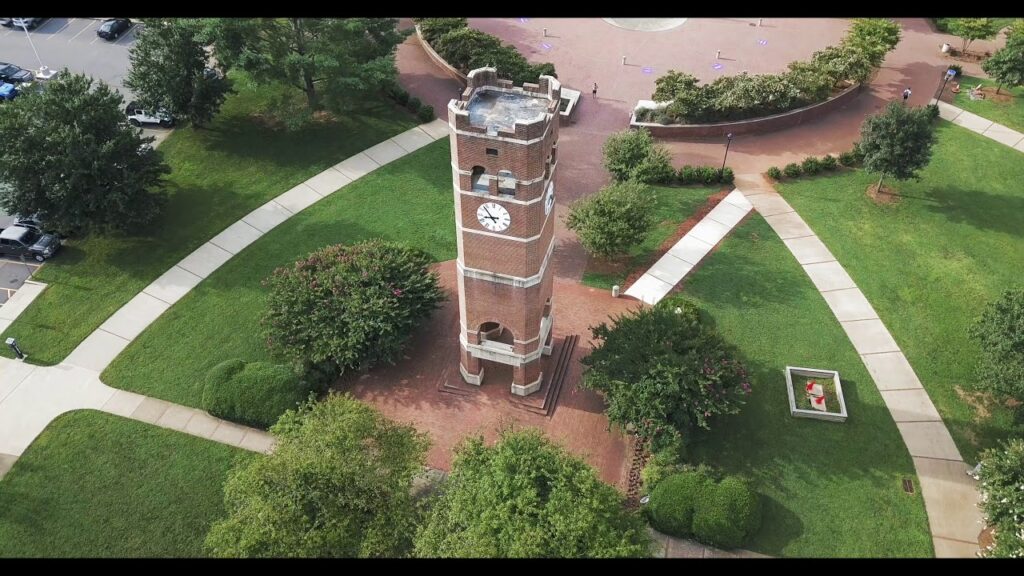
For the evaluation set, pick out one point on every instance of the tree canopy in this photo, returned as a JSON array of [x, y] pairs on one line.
[[1006, 66], [525, 497], [170, 69], [897, 141], [71, 158], [336, 485]]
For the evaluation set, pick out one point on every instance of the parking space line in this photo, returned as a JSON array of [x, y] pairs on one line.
[[61, 29], [84, 28], [130, 33], [94, 40]]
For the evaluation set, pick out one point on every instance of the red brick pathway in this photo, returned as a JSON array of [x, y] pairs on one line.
[[408, 392]]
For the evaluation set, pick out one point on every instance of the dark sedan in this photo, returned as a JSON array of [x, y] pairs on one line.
[[12, 74], [113, 28]]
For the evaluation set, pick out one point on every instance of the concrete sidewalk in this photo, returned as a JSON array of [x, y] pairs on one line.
[[671, 268], [951, 497], [987, 128], [32, 396]]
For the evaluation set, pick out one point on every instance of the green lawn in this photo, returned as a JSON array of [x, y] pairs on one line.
[[829, 489], [675, 205], [94, 484], [409, 200], [1009, 114], [219, 175], [930, 262]]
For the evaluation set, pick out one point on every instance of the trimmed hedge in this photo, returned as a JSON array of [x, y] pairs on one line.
[[728, 515], [466, 49], [704, 175], [255, 393], [731, 98], [675, 500], [792, 170]]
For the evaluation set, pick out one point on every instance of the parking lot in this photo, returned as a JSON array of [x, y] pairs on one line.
[[71, 43], [13, 273]]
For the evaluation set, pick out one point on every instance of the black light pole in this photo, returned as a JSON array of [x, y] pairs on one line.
[[949, 74], [728, 141]]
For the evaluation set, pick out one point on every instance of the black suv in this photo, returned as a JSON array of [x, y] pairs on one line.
[[22, 241], [12, 74]]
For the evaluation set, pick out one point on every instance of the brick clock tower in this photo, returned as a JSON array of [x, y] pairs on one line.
[[504, 143]]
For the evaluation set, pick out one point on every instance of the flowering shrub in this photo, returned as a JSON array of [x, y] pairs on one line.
[[664, 372], [1000, 334], [353, 305], [1002, 488]]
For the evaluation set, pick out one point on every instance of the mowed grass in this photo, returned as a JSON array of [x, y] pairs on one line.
[[99, 485], [675, 205], [829, 489], [408, 200], [1008, 113], [931, 262], [219, 174]]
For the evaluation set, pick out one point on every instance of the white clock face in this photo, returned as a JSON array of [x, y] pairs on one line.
[[493, 216], [549, 201]]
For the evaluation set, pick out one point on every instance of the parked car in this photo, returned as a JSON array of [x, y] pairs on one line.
[[8, 220], [12, 74], [30, 23], [7, 22], [22, 241], [8, 91], [137, 116], [112, 28]]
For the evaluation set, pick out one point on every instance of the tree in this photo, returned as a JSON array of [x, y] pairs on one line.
[[874, 36], [169, 69], [330, 60], [434, 28], [626, 151], [615, 219], [336, 485], [527, 498], [70, 157], [672, 85], [999, 333], [1015, 29], [1002, 475], [897, 141], [971, 29], [353, 305], [1007, 64], [664, 372]]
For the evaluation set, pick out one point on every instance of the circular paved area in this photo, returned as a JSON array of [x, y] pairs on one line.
[[589, 50], [646, 24]]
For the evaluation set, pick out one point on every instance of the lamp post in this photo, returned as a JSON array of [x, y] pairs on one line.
[[24, 27], [949, 74], [14, 346], [728, 141]]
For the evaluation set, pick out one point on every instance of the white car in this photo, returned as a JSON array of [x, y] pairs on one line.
[[137, 116]]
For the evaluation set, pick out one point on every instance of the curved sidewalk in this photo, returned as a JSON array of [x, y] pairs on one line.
[[951, 497], [32, 396]]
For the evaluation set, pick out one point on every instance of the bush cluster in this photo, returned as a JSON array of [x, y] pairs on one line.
[[466, 48], [255, 393], [731, 98], [813, 165], [424, 112], [692, 504]]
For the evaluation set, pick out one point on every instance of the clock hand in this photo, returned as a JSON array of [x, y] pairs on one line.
[[493, 219]]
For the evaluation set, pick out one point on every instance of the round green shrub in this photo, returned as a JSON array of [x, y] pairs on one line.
[[774, 173], [728, 515], [254, 394], [811, 165], [675, 499], [688, 175], [829, 162], [727, 176], [848, 159], [414, 104], [792, 170], [426, 113], [400, 95]]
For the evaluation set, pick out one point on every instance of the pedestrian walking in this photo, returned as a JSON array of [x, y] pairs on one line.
[[594, 91], [906, 94]]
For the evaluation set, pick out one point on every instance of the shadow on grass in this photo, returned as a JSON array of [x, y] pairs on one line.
[[979, 208]]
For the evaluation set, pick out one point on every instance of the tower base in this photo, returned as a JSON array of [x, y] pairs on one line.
[[527, 389]]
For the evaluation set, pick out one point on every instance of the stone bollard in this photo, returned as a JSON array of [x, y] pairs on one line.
[[615, 291], [545, 32], [623, 60], [760, 21], [718, 54]]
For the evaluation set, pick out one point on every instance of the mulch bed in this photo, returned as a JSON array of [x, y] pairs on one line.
[[886, 195]]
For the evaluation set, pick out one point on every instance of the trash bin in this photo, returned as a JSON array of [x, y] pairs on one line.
[[945, 48]]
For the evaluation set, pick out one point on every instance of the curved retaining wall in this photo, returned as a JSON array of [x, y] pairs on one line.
[[751, 125], [448, 68]]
